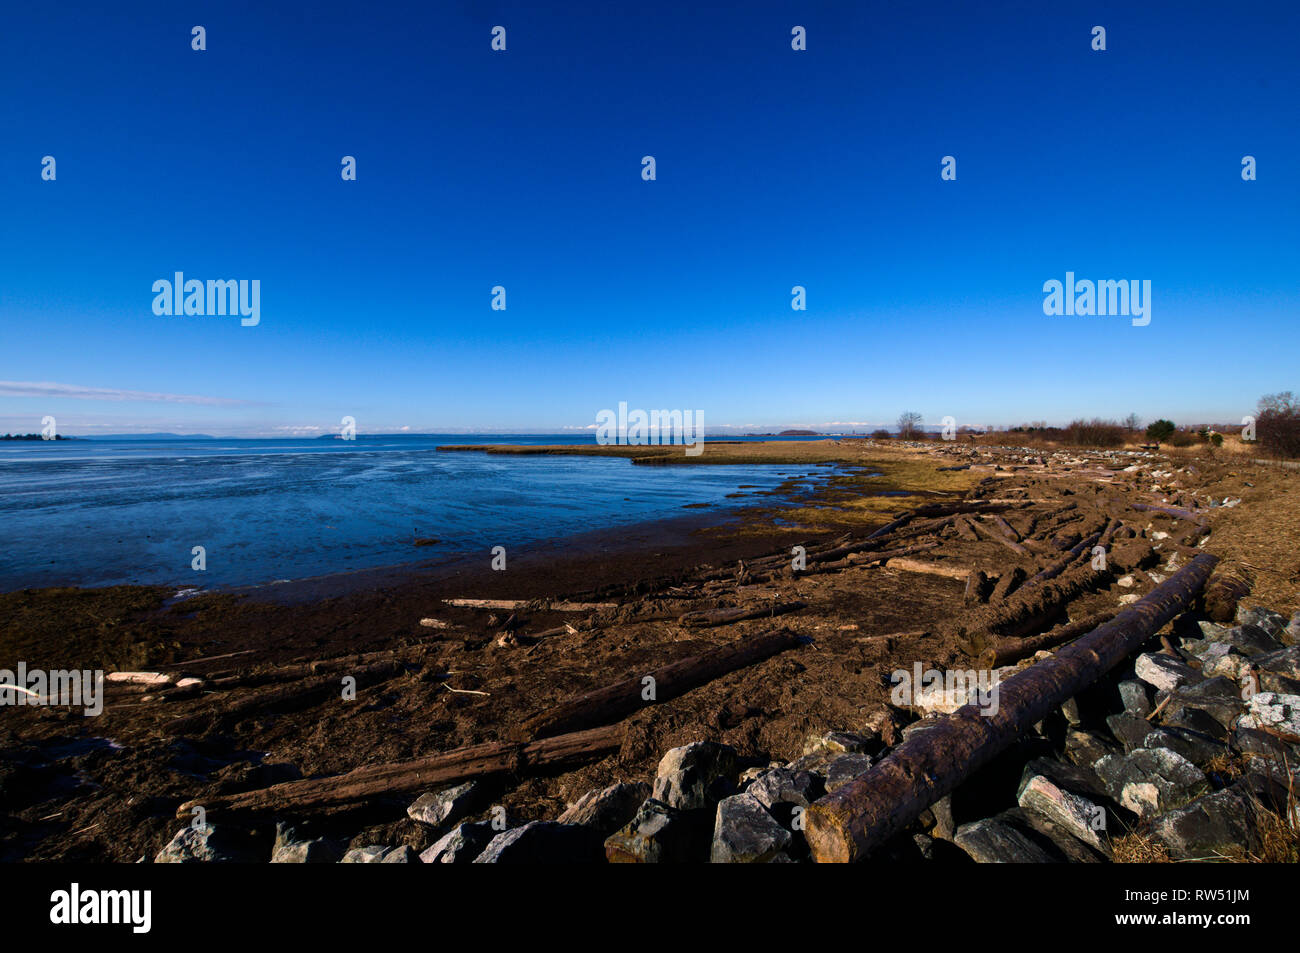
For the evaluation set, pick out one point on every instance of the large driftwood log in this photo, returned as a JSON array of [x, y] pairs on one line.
[[1010, 651], [851, 822], [398, 777], [615, 702], [1031, 607], [283, 698], [707, 617]]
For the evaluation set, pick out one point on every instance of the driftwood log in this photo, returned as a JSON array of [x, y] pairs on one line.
[[295, 696], [398, 777], [615, 702], [1010, 651], [850, 823], [707, 617]]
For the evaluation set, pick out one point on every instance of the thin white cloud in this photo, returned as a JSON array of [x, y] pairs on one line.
[[48, 389]]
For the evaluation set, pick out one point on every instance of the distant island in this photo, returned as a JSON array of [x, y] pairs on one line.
[[34, 436], [788, 433]]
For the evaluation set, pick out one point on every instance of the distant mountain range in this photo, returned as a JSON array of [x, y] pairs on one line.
[[151, 436]]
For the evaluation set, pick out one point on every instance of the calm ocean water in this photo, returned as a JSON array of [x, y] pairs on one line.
[[104, 512]]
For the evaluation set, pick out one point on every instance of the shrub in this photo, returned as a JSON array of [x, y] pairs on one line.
[[1278, 432], [881, 434], [1094, 433], [1160, 430]]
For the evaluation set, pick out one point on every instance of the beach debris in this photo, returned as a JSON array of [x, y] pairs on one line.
[[707, 617], [398, 777], [615, 702]]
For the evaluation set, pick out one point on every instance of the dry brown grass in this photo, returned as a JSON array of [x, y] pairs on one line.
[[1135, 848]]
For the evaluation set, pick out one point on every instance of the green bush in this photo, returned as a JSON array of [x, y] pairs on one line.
[[1161, 430]]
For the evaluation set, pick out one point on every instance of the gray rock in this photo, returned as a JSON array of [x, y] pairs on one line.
[[289, 848], [1218, 697], [1271, 710], [1273, 623], [1284, 661], [1150, 781], [695, 776], [1196, 747], [996, 841], [403, 854], [461, 844], [543, 842], [1076, 814], [744, 833], [365, 855], [1197, 720], [447, 806], [1252, 640], [1211, 631], [658, 834], [844, 769], [1291, 634], [213, 845], [842, 742], [1208, 824], [1164, 672], [1086, 748], [783, 786], [1135, 698], [1278, 684], [1129, 729], [814, 762], [605, 810]]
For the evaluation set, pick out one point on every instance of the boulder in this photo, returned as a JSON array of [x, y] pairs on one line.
[[543, 842], [289, 848], [657, 834], [1251, 640], [1208, 825], [843, 742], [447, 806], [745, 833], [784, 786], [403, 854], [1269, 710], [461, 844], [1284, 661], [1150, 781], [372, 854], [1085, 748], [844, 769], [1135, 698], [695, 776], [1272, 623], [605, 810], [1200, 749], [214, 845], [1164, 672], [1218, 697], [998, 840], [1129, 729], [1076, 814]]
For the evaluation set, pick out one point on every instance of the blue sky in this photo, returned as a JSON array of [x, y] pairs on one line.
[[775, 168]]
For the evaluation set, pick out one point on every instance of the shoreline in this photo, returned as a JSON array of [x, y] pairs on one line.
[[479, 675]]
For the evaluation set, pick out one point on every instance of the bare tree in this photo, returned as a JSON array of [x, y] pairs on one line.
[[1132, 422], [909, 425]]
